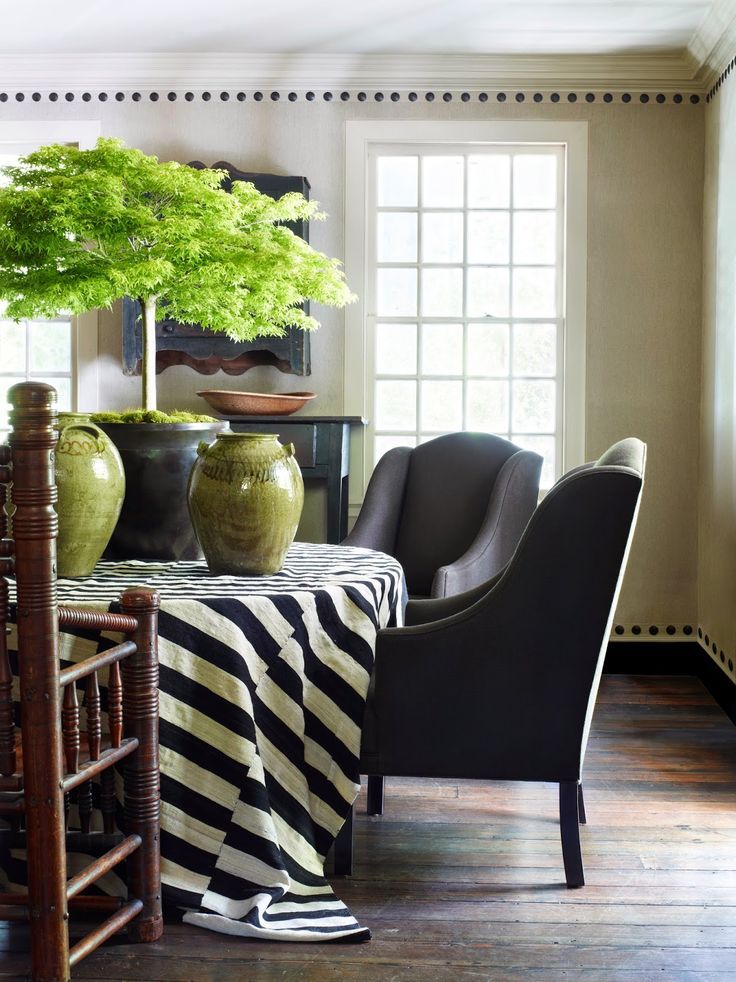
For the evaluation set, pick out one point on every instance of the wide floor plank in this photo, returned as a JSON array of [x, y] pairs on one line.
[[463, 879]]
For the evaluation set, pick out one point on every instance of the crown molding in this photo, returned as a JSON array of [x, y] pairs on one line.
[[667, 71], [714, 42]]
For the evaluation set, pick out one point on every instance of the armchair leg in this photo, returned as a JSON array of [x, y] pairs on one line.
[[581, 805], [570, 833], [343, 848], [374, 805]]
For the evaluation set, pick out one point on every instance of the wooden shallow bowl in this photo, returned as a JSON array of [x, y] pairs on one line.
[[230, 403]]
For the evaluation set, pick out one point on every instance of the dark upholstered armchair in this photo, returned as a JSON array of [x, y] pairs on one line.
[[503, 679], [450, 510]]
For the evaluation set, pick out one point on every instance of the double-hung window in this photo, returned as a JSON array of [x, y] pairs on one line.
[[472, 290], [61, 351]]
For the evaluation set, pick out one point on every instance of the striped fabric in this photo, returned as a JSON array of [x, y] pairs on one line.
[[263, 683]]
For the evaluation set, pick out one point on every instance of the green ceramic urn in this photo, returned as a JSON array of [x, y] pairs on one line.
[[245, 498], [91, 488]]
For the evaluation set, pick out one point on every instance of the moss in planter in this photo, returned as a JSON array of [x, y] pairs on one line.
[[152, 416]]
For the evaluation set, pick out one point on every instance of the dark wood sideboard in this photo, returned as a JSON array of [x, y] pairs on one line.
[[322, 446]]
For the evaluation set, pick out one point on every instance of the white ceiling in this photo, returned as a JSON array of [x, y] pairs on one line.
[[566, 27]]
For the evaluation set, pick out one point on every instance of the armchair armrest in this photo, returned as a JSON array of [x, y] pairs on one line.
[[422, 611], [511, 505]]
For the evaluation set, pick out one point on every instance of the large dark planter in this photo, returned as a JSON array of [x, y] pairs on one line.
[[158, 458]]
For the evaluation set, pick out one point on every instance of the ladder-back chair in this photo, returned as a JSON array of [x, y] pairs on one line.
[[37, 778]]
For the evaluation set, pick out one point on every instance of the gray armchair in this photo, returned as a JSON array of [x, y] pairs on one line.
[[503, 678], [450, 510]]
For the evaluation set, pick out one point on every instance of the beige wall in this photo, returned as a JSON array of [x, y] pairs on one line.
[[717, 526], [644, 283]]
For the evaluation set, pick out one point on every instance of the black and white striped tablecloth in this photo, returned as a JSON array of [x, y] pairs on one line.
[[263, 683]]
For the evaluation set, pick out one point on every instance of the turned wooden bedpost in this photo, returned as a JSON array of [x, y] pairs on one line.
[[35, 525], [142, 803]]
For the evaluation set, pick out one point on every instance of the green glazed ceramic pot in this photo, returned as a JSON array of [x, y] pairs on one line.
[[245, 498], [91, 486]]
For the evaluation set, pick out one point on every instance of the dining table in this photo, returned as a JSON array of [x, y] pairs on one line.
[[263, 682]]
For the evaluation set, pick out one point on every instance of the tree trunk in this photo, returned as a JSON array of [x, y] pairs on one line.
[[148, 371]]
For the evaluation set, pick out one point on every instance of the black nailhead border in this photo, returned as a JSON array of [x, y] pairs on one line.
[[590, 97]]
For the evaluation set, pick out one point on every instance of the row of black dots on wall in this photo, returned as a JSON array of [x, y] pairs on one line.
[[721, 79], [659, 98], [654, 630], [716, 650]]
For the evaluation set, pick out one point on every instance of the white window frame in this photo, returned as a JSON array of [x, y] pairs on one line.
[[362, 138], [85, 351]]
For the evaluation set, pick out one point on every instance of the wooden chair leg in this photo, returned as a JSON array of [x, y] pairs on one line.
[[142, 800], [570, 834], [343, 848], [375, 801], [581, 805]]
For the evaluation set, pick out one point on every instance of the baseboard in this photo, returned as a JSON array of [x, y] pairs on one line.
[[672, 658]]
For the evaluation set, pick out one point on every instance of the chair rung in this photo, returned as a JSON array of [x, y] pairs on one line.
[[16, 807], [95, 662], [92, 768], [102, 865], [96, 620], [105, 930], [12, 782]]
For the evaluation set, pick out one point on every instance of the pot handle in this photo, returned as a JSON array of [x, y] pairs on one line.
[[202, 448], [100, 437], [289, 449]]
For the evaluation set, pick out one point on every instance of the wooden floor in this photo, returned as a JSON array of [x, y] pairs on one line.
[[464, 880]]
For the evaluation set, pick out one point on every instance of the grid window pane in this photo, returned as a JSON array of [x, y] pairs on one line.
[[63, 388], [12, 347], [50, 346], [488, 292], [396, 405], [535, 349], [488, 237], [442, 406], [489, 180], [443, 182], [488, 349], [442, 292], [535, 181], [397, 237], [442, 349], [386, 442], [398, 181], [535, 237], [397, 292], [534, 292], [477, 281], [534, 406], [442, 237], [396, 349], [545, 447], [488, 406]]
